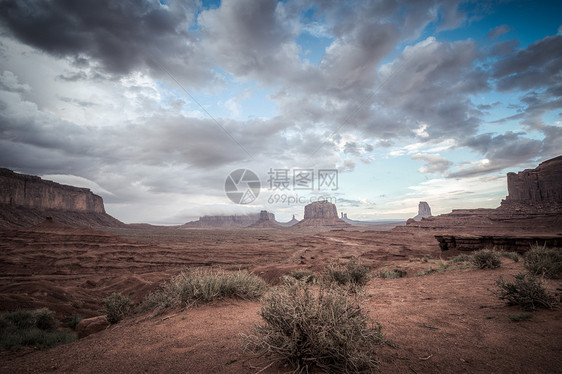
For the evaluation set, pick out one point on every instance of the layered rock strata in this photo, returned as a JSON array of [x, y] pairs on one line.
[[26, 200]]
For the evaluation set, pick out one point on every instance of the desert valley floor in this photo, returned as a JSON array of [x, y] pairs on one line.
[[442, 322]]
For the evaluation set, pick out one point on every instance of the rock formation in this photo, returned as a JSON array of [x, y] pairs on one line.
[[532, 211], [424, 211], [26, 200], [536, 189], [33, 192], [265, 221], [321, 213], [292, 222], [226, 221]]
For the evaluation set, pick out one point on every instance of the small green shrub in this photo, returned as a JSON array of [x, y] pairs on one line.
[[21, 319], [304, 276], [36, 328], [73, 321], [116, 307], [486, 259], [526, 291], [352, 273], [391, 274], [45, 319], [514, 256], [322, 328], [544, 261], [206, 286], [523, 316]]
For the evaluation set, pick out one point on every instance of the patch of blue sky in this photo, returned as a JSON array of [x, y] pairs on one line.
[[313, 48], [381, 179], [528, 21]]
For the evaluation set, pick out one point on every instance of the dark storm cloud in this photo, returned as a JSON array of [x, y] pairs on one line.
[[121, 36], [502, 151], [430, 83], [536, 66]]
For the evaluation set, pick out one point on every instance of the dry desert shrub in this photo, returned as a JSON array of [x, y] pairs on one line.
[[310, 328], [526, 291], [116, 306], [304, 276], [544, 261], [486, 259], [207, 285], [352, 273]]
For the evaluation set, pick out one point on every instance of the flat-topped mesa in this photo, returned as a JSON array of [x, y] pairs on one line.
[[321, 213], [25, 200], [28, 191], [539, 188], [227, 221]]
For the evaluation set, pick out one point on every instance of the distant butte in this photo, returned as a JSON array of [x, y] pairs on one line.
[[321, 214]]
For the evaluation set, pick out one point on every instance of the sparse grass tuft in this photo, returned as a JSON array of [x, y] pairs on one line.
[[323, 328], [304, 276], [352, 273], [426, 271], [116, 307], [544, 261], [391, 274], [461, 258], [514, 256], [486, 259], [523, 316], [35, 328], [208, 285], [526, 291]]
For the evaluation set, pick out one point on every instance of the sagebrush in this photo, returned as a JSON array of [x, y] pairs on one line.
[[316, 327], [116, 307], [544, 261], [352, 272], [526, 291], [486, 259]]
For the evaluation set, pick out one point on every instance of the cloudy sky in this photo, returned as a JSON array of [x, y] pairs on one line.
[[152, 104]]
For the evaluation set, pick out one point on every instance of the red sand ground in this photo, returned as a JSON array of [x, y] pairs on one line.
[[447, 322]]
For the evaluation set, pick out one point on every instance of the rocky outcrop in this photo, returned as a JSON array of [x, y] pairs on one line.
[[226, 221], [89, 326], [265, 221], [33, 192], [424, 211], [26, 200], [532, 209], [292, 222], [519, 244], [536, 189], [319, 214]]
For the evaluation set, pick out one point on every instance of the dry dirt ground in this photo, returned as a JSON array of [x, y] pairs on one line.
[[445, 322]]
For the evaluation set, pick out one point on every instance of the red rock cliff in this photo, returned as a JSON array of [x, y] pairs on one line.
[[20, 190], [542, 185]]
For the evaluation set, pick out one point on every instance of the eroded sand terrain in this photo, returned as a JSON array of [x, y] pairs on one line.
[[445, 322]]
